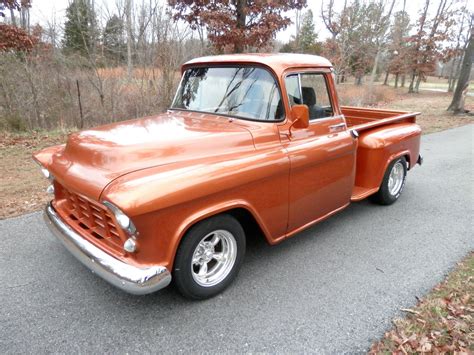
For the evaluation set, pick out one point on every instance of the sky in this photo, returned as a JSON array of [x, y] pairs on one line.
[[45, 10]]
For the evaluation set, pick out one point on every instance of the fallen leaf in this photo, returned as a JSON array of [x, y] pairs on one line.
[[410, 311], [426, 347]]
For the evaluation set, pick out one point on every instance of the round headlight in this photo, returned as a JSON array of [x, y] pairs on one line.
[[122, 220]]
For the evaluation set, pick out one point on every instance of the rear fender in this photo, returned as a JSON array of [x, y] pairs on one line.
[[380, 146]]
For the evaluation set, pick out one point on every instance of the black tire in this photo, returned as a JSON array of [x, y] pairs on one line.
[[384, 196], [184, 273]]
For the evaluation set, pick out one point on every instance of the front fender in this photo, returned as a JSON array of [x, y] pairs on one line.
[[164, 202]]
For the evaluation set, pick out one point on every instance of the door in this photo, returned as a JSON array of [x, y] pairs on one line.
[[322, 156]]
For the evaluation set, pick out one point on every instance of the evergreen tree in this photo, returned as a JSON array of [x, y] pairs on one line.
[[306, 40], [113, 38], [79, 34], [307, 35]]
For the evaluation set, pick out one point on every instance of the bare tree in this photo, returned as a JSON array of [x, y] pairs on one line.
[[428, 41], [457, 104], [380, 25], [128, 16], [462, 40]]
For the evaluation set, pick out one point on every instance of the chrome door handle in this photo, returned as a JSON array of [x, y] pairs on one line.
[[337, 127]]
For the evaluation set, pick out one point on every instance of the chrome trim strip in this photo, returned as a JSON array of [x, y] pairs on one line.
[[129, 278]]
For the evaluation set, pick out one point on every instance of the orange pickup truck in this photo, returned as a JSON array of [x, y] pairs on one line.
[[252, 144]]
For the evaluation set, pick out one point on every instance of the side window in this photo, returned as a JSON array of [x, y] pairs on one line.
[[293, 89], [316, 95]]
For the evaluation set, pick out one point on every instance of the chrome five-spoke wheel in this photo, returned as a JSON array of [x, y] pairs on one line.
[[396, 178], [209, 257], [392, 183], [214, 258]]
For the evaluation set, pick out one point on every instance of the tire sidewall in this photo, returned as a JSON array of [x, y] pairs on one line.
[[182, 270], [386, 192]]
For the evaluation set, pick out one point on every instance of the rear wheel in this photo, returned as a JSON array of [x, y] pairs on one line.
[[209, 257], [393, 182]]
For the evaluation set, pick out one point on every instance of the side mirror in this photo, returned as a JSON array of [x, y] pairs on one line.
[[300, 117]]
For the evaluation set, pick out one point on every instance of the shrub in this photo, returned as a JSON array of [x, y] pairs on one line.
[[42, 92]]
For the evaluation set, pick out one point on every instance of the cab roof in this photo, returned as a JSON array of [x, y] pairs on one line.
[[278, 62]]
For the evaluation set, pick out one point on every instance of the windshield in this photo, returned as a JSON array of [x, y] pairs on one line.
[[247, 92]]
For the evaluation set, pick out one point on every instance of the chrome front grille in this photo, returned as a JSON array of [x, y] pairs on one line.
[[90, 217]]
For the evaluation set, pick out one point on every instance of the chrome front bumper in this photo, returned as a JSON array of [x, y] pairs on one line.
[[129, 278]]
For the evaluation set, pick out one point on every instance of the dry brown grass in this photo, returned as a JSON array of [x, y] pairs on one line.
[[432, 106], [22, 186]]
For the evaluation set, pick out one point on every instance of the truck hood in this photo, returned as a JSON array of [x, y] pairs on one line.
[[93, 158]]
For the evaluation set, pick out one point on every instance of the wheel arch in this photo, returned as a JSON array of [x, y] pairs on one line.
[[241, 211]]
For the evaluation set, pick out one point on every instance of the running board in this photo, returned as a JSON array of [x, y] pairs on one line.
[[359, 192]]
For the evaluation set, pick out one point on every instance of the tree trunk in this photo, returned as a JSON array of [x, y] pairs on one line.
[[411, 88], [374, 68], [396, 80], [451, 76], [81, 116], [456, 73], [12, 16], [402, 85], [417, 86], [457, 105], [385, 82], [34, 92], [92, 30], [241, 18], [23, 17], [128, 14]]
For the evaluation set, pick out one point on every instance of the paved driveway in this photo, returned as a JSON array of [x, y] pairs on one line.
[[332, 288]]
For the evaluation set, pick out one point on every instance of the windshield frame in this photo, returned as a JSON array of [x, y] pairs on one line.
[[233, 65]]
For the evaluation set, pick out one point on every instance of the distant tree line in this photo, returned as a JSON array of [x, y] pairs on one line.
[[109, 61], [370, 37]]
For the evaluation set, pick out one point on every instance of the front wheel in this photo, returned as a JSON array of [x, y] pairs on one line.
[[209, 257], [392, 183]]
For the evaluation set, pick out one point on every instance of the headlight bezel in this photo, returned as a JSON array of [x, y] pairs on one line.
[[125, 223]]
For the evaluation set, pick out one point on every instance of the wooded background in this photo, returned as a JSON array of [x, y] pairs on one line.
[[104, 64]]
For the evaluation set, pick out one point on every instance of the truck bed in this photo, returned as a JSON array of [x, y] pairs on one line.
[[361, 119]]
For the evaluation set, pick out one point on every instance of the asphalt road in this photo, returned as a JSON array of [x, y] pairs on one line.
[[333, 288]]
